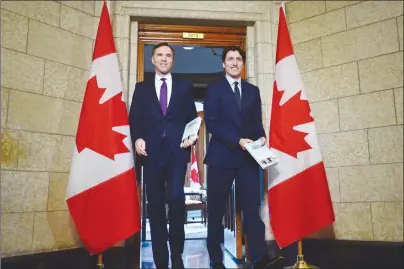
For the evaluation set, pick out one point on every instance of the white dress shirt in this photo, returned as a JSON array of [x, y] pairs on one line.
[[158, 82], [231, 82]]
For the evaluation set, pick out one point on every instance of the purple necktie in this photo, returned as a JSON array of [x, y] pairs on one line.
[[163, 96]]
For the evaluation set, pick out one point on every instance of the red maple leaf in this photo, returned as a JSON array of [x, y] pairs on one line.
[[97, 120], [194, 176], [283, 118]]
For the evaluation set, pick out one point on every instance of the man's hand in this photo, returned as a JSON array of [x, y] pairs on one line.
[[263, 140], [244, 141], [189, 142], [140, 146]]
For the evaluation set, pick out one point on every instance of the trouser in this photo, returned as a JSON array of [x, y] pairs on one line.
[[247, 186], [165, 184]]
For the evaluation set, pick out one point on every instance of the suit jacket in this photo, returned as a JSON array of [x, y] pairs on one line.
[[147, 121], [228, 123]]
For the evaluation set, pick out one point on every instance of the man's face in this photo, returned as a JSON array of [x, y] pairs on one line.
[[162, 60], [233, 64]]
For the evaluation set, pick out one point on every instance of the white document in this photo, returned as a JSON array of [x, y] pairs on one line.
[[191, 130], [262, 154]]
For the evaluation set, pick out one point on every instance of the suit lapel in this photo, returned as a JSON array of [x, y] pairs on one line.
[[154, 98], [245, 95]]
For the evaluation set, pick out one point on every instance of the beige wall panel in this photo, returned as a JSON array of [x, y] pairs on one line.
[[369, 12], [59, 45], [65, 81], [318, 26], [371, 183], [333, 184], [367, 110], [360, 43], [398, 100], [78, 22], [386, 144], [10, 149], [16, 233], [45, 152], [387, 220], [299, 10], [381, 73], [32, 112], [4, 105], [85, 6], [24, 191], [43, 11], [326, 116], [308, 55], [345, 148], [21, 71], [333, 82], [332, 5], [353, 221], [57, 191], [14, 31], [54, 230]]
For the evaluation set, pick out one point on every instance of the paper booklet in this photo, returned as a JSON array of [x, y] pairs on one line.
[[262, 154], [191, 129]]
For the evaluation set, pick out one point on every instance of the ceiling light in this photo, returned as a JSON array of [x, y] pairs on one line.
[[188, 48]]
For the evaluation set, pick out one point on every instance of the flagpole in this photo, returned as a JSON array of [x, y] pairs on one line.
[[100, 264], [99, 261], [300, 263]]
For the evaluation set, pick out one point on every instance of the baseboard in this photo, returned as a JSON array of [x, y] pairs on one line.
[[78, 258], [338, 254], [326, 254]]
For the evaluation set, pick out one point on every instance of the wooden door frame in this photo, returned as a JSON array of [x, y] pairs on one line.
[[212, 36], [173, 34]]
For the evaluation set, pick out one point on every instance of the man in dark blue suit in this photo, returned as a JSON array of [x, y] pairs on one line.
[[159, 111], [232, 111]]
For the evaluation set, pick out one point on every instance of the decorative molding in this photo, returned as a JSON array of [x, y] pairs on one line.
[[191, 14]]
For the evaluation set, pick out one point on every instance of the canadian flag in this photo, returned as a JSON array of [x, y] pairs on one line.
[[298, 195], [194, 175], [102, 191]]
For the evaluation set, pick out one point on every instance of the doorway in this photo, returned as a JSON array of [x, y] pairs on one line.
[[200, 65], [198, 58]]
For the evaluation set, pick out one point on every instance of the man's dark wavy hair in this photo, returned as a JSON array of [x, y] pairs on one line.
[[233, 48]]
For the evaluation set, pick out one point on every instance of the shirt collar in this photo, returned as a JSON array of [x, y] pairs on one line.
[[167, 77], [232, 80]]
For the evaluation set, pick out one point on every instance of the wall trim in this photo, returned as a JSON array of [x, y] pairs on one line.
[[325, 253], [192, 14]]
